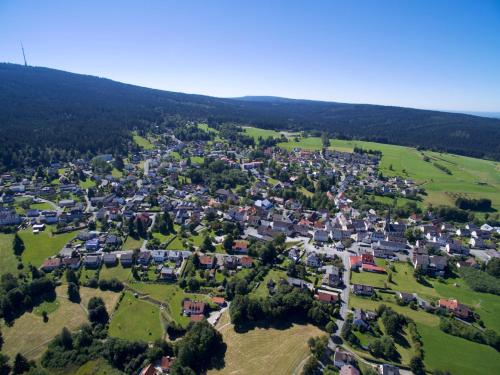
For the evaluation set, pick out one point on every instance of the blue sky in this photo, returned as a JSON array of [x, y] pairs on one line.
[[424, 54]]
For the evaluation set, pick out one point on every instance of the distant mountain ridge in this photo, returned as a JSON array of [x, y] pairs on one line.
[[50, 107]]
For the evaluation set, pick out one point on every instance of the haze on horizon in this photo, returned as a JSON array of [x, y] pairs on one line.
[[435, 55]]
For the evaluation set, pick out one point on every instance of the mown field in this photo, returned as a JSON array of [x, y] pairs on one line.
[[8, 261], [29, 335], [136, 319], [265, 350], [470, 177], [39, 247]]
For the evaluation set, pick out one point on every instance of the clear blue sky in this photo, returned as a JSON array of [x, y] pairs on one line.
[[424, 54]]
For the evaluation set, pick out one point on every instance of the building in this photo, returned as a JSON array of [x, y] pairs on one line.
[[456, 308], [363, 290], [190, 307]]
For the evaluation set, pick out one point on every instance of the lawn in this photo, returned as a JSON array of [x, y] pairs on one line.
[[276, 275], [171, 295], [197, 159], [41, 206], [29, 335], [142, 142], [8, 261], [95, 367], [88, 183], [265, 351], [118, 272], [402, 279], [176, 244], [470, 177], [39, 247], [131, 243], [459, 356], [135, 320], [48, 306]]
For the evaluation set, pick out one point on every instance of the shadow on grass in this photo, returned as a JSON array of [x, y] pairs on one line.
[[281, 324]]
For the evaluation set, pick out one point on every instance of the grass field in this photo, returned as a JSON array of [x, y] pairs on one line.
[[486, 305], [88, 183], [276, 275], [29, 335], [94, 367], [136, 319], [459, 356], [443, 351], [171, 295], [265, 351], [402, 279], [8, 261], [142, 142], [39, 247], [131, 243], [470, 177], [118, 272]]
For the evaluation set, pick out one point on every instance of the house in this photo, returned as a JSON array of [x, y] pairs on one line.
[[327, 296], [165, 364], [240, 247], [51, 264], [149, 370], [190, 307], [297, 283], [386, 369], [219, 301], [321, 236], [159, 256], [456, 308], [342, 358], [313, 260], [72, 263], [109, 259], [363, 290], [456, 247], [144, 258], [167, 273], [92, 244], [92, 261], [405, 297], [367, 267], [246, 262], [127, 259], [349, 370], [294, 254], [206, 261], [332, 276], [477, 243], [359, 319], [385, 249]]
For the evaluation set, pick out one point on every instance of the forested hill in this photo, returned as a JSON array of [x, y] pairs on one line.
[[47, 114]]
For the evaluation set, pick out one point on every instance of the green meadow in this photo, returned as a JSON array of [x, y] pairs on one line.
[[470, 177], [136, 319]]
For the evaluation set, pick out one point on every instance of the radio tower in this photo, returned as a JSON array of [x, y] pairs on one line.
[[24, 56]]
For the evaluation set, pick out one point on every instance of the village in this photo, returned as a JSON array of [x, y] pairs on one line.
[[199, 215]]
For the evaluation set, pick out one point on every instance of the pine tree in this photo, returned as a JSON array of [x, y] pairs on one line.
[[17, 245], [21, 365]]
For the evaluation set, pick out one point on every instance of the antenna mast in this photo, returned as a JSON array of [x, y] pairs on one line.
[[24, 56]]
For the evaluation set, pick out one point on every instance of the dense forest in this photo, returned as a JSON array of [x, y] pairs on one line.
[[49, 115]]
